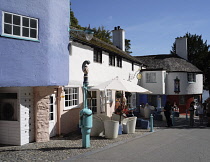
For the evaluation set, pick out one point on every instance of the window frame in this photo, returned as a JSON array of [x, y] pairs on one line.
[[92, 101], [119, 61], [96, 54], [132, 64], [21, 26], [131, 100], [109, 96], [112, 59], [72, 99], [191, 77], [150, 78], [51, 111]]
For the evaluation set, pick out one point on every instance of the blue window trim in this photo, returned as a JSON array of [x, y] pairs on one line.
[[28, 39]]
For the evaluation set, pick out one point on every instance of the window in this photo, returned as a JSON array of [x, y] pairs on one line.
[[132, 66], [71, 97], [51, 112], [92, 101], [182, 100], [119, 62], [97, 56], [131, 99], [150, 77], [19, 26], [191, 77], [111, 59], [109, 95]]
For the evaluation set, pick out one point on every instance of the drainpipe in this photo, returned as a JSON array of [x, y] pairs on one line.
[[58, 99]]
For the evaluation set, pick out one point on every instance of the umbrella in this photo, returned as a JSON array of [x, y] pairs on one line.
[[121, 85]]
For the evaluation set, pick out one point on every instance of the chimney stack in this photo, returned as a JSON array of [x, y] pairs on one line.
[[118, 37], [181, 47]]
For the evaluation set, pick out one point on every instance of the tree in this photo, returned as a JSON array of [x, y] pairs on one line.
[[74, 21], [128, 46], [103, 34], [198, 54], [100, 32]]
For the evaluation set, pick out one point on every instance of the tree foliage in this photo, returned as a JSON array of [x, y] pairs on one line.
[[198, 54], [100, 32], [74, 21], [128, 46]]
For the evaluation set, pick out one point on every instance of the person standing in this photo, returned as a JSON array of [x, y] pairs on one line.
[[200, 111], [192, 109], [167, 113]]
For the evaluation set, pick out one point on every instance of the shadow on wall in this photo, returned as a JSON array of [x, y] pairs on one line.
[[70, 120]]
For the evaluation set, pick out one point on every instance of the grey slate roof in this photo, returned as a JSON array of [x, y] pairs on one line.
[[168, 62], [95, 42]]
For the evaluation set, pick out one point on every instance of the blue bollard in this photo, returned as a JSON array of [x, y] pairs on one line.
[[151, 123]]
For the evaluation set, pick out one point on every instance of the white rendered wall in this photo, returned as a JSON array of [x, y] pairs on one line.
[[185, 86], [159, 86], [98, 72]]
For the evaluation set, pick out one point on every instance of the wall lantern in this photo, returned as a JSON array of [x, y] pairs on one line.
[[88, 32], [139, 76], [177, 85]]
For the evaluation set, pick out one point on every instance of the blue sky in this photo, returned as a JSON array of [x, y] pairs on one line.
[[151, 25]]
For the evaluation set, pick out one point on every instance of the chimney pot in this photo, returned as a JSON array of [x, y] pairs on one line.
[[118, 38], [181, 47]]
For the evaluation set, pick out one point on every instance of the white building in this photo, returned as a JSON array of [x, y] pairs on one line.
[[107, 62], [171, 77]]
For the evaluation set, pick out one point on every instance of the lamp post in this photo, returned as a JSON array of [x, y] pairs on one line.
[[85, 114], [85, 122], [88, 32]]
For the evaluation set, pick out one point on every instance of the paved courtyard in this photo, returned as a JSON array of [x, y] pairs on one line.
[[61, 148]]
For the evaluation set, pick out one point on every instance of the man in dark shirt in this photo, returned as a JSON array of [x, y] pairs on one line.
[[192, 109], [167, 113]]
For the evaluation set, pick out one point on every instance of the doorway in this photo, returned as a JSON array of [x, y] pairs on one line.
[[52, 115]]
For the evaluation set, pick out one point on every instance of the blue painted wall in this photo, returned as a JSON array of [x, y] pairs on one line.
[[29, 63], [141, 98]]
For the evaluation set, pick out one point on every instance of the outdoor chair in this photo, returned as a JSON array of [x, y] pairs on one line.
[[129, 125], [111, 128], [98, 124], [116, 117]]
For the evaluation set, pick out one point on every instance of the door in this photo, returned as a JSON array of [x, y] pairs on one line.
[[52, 111]]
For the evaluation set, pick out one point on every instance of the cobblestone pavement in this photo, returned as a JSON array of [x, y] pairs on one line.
[[61, 148]]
